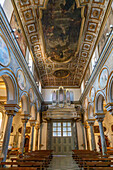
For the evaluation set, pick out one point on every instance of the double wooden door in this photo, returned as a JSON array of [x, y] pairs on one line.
[[62, 138]]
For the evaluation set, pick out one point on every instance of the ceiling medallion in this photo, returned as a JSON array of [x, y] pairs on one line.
[[61, 73], [4, 53], [60, 58]]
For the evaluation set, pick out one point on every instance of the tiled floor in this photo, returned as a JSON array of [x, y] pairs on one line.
[[63, 162]]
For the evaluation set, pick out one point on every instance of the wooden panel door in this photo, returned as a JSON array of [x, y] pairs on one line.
[[62, 138]]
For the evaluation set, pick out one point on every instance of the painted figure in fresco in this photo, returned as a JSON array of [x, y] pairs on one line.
[[21, 80], [68, 5], [61, 22], [4, 54]]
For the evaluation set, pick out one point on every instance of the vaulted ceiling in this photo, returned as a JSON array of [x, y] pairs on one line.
[[61, 35]]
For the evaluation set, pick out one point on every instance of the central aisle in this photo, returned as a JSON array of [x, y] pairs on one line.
[[63, 162]]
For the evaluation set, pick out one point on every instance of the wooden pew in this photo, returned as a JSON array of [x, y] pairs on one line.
[[101, 168], [110, 148], [89, 165], [38, 165], [84, 160], [20, 168]]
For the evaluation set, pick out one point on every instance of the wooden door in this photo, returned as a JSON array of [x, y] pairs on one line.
[[62, 138]]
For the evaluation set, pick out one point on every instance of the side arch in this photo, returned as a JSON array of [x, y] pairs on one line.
[[100, 98], [11, 85], [109, 90]]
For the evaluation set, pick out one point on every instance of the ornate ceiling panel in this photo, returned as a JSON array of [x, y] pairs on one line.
[[61, 35]]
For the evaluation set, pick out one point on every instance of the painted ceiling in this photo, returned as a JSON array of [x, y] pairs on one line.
[[61, 35]]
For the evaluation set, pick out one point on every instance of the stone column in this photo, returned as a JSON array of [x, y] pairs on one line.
[[100, 118], [91, 124], [87, 137], [49, 134], [32, 123], [73, 135], [82, 126], [37, 133], [25, 118], [40, 136], [76, 135], [11, 110]]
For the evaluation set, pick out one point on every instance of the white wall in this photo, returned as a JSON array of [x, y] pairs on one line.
[[47, 94], [8, 8]]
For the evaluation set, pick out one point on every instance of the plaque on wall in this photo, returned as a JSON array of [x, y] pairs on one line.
[[28, 129], [4, 53], [92, 94], [21, 79], [103, 78], [31, 95], [96, 129]]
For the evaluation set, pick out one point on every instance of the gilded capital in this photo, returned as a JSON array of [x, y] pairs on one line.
[[32, 122], [91, 122], [25, 117]]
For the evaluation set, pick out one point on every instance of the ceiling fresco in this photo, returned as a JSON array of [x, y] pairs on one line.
[[61, 22], [61, 35]]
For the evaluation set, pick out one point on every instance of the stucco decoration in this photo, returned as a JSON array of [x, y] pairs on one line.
[[21, 80], [103, 78], [4, 53], [61, 73]]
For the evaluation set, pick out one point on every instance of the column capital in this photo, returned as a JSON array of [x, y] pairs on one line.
[[109, 108], [25, 117], [32, 122], [99, 117], [11, 108], [91, 122], [37, 126]]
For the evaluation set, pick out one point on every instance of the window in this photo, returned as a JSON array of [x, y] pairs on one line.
[[67, 129], [56, 129], [30, 63], [62, 129]]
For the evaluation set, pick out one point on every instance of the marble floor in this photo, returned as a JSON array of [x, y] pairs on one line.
[[63, 162]]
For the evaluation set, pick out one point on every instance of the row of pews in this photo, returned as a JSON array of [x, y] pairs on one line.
[[92, 160], [35, 160]]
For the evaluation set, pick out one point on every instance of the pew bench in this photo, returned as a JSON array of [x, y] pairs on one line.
[[38, 165], [88, 165], [20, 168]]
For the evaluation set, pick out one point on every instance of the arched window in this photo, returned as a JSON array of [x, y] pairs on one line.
[[94, 58], [30, 63], [40, 88]]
